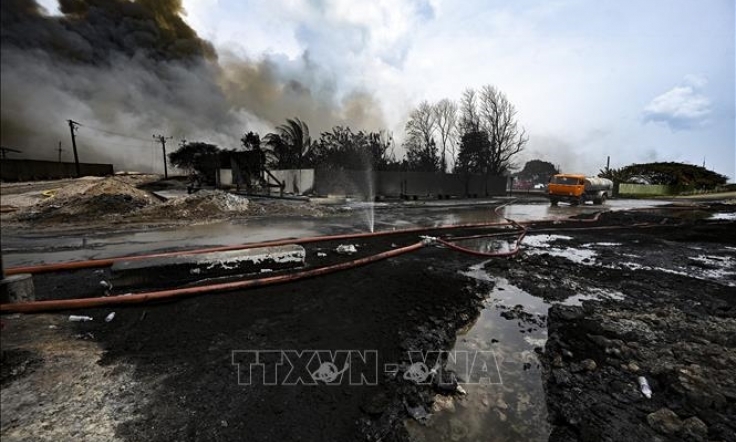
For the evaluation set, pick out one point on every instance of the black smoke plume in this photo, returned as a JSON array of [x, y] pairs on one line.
[[129, 69]]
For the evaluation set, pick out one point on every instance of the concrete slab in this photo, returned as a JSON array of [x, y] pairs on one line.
[[17, 288], [174, 271], [170, 193]]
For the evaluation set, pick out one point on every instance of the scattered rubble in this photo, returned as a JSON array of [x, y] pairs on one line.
[[201, 205], [346, 249], [674, 326], [87, 200], [128, 199]]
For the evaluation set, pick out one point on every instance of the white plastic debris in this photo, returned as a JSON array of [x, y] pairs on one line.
[[321, 254], [110, 317], [346, 249], [78, 318], [646, 390], [419, 413], [106, 286]]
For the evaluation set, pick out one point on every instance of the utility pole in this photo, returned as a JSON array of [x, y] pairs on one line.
[[162, 139], [60, 151], [72, 127]]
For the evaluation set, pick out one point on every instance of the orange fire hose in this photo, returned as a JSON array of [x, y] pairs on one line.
[[65, 304], [514, 251], [106, 262], [51, 305]]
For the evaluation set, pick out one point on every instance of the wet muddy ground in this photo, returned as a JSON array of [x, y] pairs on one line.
[[24, 246], [564, 330]]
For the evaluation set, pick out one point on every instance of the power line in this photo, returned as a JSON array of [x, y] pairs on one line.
[[110, 143], [109, 132]]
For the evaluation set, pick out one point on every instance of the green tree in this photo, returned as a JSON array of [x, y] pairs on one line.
[[686, 176], [251, 141], [289, 144], [343, 148], [424, 158], [615, 175], [538, 171], [278, 152], [196, 156], [471, 158]]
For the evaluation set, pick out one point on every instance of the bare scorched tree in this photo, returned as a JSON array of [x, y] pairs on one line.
[[489, 133], [497, 117], [421, 149], [445, 115]]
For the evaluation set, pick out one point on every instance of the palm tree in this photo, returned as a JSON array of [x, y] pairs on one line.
[[277, 151], [289, 144], [295, 133]]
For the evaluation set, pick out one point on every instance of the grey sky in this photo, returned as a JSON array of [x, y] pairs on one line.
[[638, 80]]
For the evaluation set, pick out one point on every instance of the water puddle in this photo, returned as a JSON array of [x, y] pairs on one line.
[[540, 241], [510, 405], [107, 244], [541, 244], [718, 269], [724, 216], [601, 244], [594, 293], [486, 245]]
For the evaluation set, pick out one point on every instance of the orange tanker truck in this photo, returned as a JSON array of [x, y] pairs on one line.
[[577, 189]]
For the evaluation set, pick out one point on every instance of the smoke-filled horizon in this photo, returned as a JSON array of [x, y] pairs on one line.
[[636, 82], [128, 70]]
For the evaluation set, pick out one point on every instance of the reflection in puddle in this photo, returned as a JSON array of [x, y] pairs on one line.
[[593, 293], [513, 328], [578, 256], [486, 245], [543, 240], [540, 244], [729, 216], [510, 327]]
